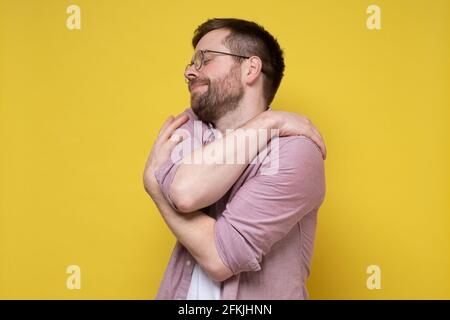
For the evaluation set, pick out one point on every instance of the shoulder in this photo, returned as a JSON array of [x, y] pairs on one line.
[[297, 150], [292, 157], [190, 123], [294, 160], [192, 116], [294, 166]]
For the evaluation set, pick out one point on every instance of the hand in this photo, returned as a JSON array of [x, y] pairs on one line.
[[161, 150], [293, 124]]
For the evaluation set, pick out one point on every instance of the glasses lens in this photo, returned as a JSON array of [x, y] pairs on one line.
[[198, 60]]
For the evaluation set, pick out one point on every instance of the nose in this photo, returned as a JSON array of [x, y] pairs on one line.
[[190, 73]]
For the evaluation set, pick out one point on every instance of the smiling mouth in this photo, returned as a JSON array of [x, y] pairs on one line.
[[196, 86]]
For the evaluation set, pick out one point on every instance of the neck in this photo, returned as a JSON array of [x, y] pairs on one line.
[[239, 116]]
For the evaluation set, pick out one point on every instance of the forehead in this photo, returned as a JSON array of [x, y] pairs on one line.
[[213, 40]]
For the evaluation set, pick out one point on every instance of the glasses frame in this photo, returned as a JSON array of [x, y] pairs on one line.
[[202, 53]]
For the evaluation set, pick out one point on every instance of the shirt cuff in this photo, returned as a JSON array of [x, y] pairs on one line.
[[233, 249]]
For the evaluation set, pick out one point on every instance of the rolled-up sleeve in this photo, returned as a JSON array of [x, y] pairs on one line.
[[266, 207], [166, 173]]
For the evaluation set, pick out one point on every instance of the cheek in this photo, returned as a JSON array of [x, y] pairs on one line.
[[199, 89], [219, 69]]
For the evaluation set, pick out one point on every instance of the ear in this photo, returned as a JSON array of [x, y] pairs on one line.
[[253, 69]]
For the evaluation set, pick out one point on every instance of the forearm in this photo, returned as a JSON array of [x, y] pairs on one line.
[[204, 176], [196, 233]]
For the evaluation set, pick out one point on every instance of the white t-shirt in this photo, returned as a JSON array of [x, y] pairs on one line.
[[202, 286]]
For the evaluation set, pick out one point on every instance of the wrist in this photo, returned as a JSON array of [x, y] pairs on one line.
[[270, 121], [151, 184]]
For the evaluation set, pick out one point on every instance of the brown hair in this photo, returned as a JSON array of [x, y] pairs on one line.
[[248, 38]]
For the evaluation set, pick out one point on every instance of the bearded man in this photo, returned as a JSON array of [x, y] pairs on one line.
[[245, 229]]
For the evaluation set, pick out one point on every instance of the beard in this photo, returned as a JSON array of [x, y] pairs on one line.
[[222, 96]]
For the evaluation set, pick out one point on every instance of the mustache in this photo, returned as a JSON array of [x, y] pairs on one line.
[[197, 81]]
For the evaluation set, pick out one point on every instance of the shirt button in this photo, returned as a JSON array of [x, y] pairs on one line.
[[188, 263]]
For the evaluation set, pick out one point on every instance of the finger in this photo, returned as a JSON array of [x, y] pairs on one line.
[[175, 124], [319, 142], [166, 124], [322, 145], [178, 136], [175, 139], [316, 137]]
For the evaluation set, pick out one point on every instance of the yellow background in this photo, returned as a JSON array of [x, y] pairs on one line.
[[79, 110]]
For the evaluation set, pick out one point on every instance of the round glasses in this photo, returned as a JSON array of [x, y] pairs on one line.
[[199, 58]]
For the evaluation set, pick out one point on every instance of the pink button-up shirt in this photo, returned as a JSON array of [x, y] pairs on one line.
[[265, 224]]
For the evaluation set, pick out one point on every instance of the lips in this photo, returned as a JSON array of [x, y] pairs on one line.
[[194, 86]]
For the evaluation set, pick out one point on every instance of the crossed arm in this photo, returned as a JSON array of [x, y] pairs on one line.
[[196, 186], [196, 233]]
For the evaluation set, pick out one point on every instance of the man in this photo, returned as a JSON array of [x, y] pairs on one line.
[[245, 229]]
